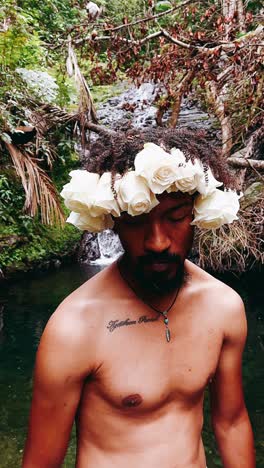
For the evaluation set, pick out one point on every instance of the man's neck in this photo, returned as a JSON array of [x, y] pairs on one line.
[[149, 292]]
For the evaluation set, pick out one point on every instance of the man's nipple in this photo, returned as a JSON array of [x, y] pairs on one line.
[[132, 400]]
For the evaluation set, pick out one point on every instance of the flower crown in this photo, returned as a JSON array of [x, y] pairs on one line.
[[96, 200]]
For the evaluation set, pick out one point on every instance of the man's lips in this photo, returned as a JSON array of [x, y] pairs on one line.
[[158, 266]]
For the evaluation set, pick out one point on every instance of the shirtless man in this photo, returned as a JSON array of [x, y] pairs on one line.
[[107, 361]]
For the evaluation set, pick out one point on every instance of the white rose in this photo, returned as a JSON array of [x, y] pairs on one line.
[[178, 155], [84, 222], [134, 196], [187, 175], [203, 187], [104, 200], [216, 209], [157, 167], [79, 192]]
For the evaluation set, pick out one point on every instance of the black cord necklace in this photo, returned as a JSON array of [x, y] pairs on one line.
[[164, 313]]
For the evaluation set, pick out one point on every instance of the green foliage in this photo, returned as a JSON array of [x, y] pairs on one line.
[[255, 5], [11, 201], [24, 241], [42, 244], [28, 79], [5, 191], [19, 44], [103, 93], [130, 9], [51, 18], [163, 6]]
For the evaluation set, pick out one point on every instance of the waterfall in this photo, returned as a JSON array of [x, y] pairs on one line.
[[109, 246], [100, 249]]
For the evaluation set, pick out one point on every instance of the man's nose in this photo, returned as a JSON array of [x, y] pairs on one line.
[[156, 238]]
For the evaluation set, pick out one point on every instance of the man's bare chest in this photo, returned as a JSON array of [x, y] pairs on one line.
[[142, 370]]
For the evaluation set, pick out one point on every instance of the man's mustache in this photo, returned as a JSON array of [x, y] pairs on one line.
[[164, 257]]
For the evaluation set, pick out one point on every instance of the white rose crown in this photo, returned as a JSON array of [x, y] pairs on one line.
[[94, 203]]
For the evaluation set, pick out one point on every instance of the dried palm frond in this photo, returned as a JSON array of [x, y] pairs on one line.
[[39, 189], [236, 246], [46, 117], [86, 104]]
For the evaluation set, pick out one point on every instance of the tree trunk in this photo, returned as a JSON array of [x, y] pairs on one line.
[[215, 99], [229, 9], [225, 8], [241, 16], [159, 116], [181, 88]]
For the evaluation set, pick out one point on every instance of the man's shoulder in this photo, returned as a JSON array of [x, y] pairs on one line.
[[72, 335], [215, 294], [80, 314]]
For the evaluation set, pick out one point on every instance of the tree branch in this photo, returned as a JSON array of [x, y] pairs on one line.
[[245, 163], [177, 42], [100, 129], [225, 46], [150, 18]]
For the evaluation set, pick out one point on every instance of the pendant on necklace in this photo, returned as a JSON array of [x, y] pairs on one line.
[[168, 334], [166, 323]]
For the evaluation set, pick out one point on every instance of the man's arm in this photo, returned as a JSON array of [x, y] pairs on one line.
[[229, 415], [59, 373]]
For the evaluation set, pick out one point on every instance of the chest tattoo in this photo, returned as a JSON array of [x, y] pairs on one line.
[[114, 324]]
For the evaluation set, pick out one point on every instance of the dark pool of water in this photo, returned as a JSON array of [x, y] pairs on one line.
[[25, 307]]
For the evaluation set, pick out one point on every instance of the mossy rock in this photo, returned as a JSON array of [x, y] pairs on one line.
[[252, 194], [12, 240], [45, 247]]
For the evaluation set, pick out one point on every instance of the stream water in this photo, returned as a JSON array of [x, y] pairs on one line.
[[25, 307]]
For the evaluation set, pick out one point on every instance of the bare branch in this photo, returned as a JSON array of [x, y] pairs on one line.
[[177, 42], [245, 163], [222, 76], [100, 129], [150, 18]]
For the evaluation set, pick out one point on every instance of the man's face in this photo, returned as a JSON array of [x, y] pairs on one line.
[[156, 244]]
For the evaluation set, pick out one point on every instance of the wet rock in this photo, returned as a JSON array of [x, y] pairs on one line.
[[57, 263], [117, 110], [12, 240], [252, 194]]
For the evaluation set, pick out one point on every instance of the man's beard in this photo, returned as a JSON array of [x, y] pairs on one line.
[[163, 281]]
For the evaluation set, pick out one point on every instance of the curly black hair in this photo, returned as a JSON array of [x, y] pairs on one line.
[[116, 153]]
